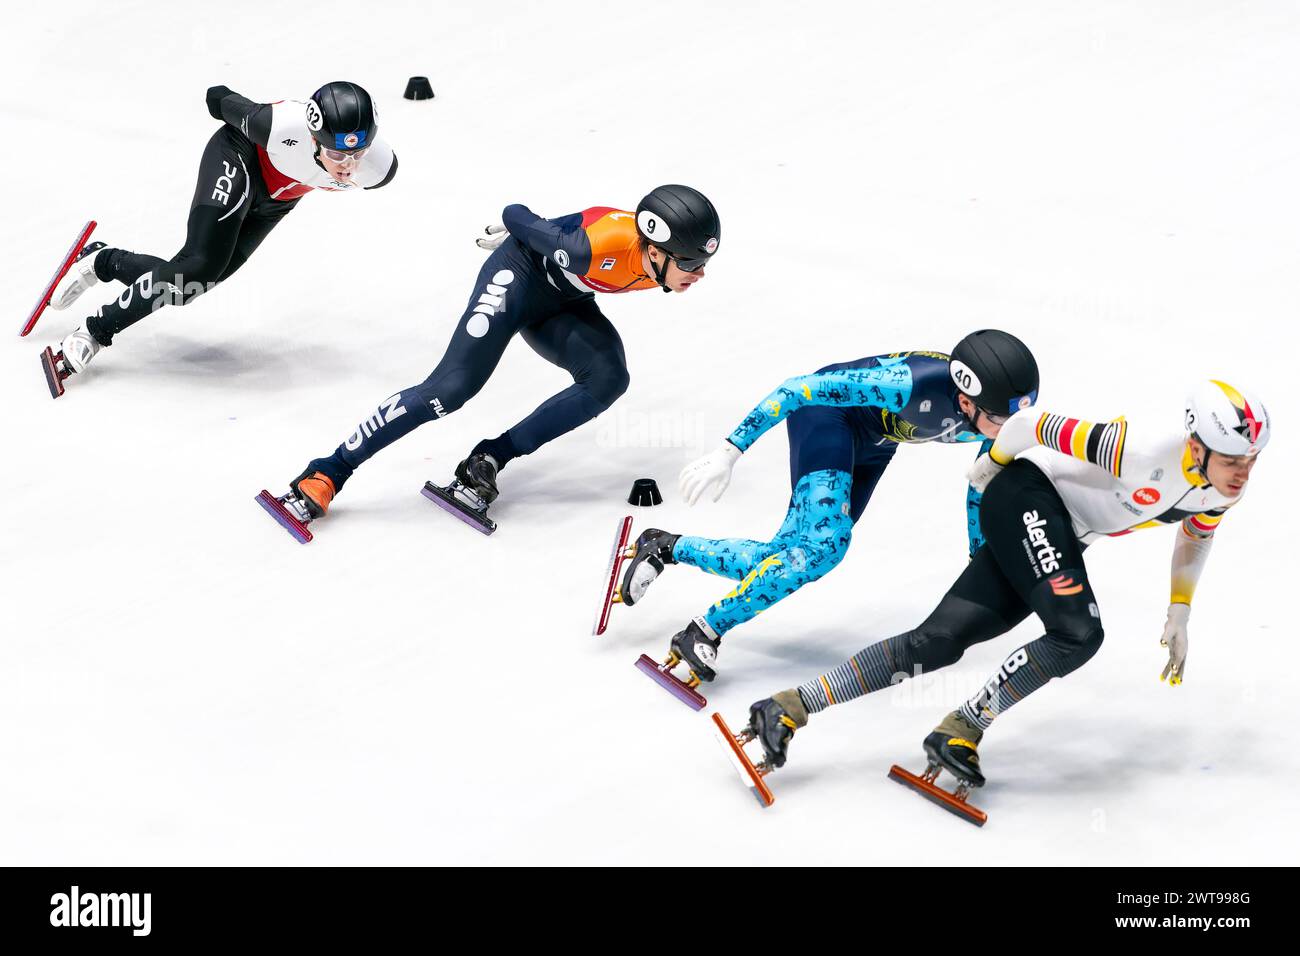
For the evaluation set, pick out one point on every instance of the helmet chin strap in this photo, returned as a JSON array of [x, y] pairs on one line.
[[659, 272], [1203, 466]]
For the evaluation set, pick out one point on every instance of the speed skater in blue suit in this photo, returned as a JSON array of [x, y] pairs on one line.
[[845, 423]]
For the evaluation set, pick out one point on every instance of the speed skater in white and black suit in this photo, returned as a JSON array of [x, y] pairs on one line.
[[1054, 485], [254, 170]]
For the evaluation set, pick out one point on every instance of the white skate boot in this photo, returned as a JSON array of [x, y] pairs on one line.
[[78, 349], [79, 278]]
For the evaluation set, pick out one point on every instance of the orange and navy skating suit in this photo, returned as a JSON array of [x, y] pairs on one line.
[[541, 285], [596, 250]]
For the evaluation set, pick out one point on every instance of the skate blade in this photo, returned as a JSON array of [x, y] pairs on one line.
[[611, 576], [449, 501], [54, 375], [276, 509], [738, 759], [951, 802], [68, 258], [675, 686]]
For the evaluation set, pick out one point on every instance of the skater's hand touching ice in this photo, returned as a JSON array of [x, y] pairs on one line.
[[1175, 638], [713, 471], [492, 237], [982, 472]]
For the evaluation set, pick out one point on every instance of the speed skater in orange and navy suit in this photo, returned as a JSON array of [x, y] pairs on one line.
[[1052, 485], [541, 283]]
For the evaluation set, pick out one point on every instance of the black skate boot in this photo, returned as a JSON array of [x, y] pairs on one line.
[[697, 646], [952, 745], [773, 722], [478, 473], [649, 554]]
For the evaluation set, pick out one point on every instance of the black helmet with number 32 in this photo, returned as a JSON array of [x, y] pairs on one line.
[[996, 371], [683, 223], [341, 117]]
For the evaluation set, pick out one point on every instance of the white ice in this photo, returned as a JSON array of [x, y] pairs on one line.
[[181, 682]]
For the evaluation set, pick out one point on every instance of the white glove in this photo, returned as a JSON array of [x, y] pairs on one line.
[[982, 472], [713, 470], [492, 237], [1175, 638]]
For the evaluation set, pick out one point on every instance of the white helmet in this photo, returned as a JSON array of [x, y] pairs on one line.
[[1227, 420]]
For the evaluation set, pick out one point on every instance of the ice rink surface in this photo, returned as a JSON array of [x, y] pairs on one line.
[[182, 683]]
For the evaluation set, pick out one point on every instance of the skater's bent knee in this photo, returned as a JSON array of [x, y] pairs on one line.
[[933, 647], [449, 390], [1076, 643], [608, 385]]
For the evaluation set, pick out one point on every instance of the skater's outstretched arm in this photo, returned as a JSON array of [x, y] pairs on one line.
[[564, 241], [887, 387], [1191, 551], [884, 386]]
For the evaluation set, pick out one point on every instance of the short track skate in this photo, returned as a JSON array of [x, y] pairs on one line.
[[954, 801], [290, 511], [751, 774], [56, 372], [460, 500], [609, 594], [662, 674], [69, 258]]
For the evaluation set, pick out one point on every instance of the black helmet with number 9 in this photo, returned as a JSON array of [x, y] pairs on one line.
[[683, 223]]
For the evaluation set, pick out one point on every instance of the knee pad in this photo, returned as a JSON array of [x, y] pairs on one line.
[[1072, 643], [930, 646]]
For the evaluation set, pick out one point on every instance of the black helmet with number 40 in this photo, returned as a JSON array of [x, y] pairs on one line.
[[996, 371], [341, 117], [682, 222]]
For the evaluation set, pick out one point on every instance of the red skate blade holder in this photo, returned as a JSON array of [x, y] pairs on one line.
[[662, 675], [734, 749], [954, 802], [276, 509], [54, 375], [66, 264], [616, 559]]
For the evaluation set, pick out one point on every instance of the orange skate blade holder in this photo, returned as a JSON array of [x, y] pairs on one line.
[[750, 776], [617, 555], [954, 802]]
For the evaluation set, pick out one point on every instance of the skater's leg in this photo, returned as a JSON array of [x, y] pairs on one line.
[[730, 558], [981, 605], [821, 439], [1043, 560], [471, 357], [585, 344], [212, 233], [817, 540]]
